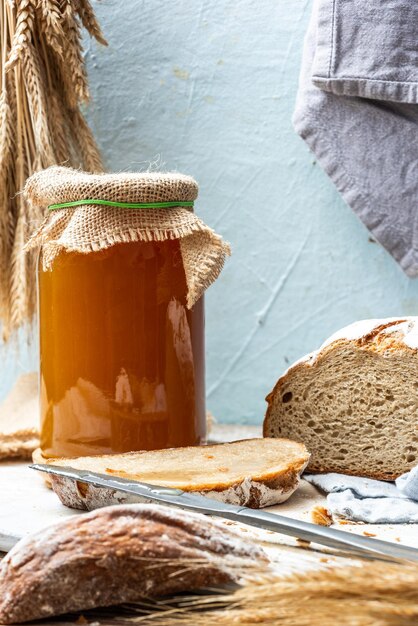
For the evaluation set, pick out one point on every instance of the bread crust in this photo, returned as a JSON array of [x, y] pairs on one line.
[[395, 336], [116, 555]]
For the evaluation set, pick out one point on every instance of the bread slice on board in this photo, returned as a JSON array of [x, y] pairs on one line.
[[354, 402], [252, 472]]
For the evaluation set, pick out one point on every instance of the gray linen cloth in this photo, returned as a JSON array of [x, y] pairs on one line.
[[371, 501], [357, 110]]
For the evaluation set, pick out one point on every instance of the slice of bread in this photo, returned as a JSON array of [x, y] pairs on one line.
[[354, 402], [252, 472]]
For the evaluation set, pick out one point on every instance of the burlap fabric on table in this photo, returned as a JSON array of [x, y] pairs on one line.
[[88, 228]]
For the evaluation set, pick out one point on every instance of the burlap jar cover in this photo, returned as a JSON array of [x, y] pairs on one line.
[[91, 226]]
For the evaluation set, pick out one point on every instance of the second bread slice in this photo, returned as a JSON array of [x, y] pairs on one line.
[[253, 472]]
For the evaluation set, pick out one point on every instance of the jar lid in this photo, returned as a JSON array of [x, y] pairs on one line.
[[91, 212], [57, 185]]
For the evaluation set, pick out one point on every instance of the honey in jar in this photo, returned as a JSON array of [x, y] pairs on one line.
[[123, 265], [122, 358]]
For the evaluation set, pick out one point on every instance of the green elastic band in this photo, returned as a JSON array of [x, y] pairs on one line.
[[122, 205]]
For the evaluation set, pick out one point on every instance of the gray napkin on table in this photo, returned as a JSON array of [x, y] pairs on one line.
[[357, 110], [371, 501]]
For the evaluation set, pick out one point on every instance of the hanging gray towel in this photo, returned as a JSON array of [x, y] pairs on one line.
[[372, 501], [357, 110]]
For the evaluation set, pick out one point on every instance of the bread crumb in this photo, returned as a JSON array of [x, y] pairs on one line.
[[303, 543], [323, 560], [397, 539], [321, 516], [369, 534], [81, 620]]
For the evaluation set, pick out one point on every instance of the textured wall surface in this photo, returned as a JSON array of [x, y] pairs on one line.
[[207, 88]]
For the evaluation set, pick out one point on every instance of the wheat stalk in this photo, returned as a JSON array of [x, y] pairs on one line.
[[74, 69], [7, 145], [50, 17], [34, 82], [22, 31], [6, 148], [88, 19], [43, 83], [374, 594], [18, 284]]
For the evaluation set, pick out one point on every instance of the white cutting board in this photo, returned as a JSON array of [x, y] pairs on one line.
[[27, 505]]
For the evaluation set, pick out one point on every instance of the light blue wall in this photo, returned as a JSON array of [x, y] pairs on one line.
[[207, 88]]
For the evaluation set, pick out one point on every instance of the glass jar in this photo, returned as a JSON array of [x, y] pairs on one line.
[[121, 355]]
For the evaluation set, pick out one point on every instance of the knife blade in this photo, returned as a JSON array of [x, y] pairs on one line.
[[357, 546]]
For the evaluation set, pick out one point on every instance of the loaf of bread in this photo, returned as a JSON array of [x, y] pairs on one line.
[[253, 472], [116, 555], [354, 402]]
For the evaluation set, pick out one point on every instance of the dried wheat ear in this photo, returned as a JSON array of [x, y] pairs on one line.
[[43, 84], [369, 594]]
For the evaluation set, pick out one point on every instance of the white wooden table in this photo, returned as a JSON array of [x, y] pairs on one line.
[[27, 505]]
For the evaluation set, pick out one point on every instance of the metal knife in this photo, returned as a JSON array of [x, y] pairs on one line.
[[357, 546]]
